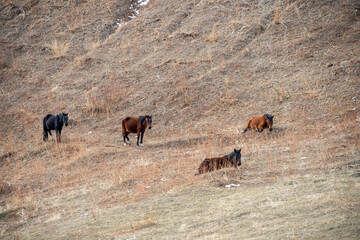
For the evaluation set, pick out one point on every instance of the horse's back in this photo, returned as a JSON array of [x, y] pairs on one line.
[[130, 124], [48, 122], [255, 121], [48, 116]]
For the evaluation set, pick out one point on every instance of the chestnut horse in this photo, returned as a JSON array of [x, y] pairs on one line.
[[135, 125], [54, 122], [211, 164], [260, 122]]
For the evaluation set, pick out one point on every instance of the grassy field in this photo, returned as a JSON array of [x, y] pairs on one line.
[[201, 69]]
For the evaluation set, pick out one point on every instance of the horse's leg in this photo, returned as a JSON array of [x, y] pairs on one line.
[[60, 136], [138, 136], [52, 137], [45, 135], [141, 140], [261, 126], [124, 136]]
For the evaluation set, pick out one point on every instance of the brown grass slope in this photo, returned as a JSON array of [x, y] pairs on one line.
[[202, 69]]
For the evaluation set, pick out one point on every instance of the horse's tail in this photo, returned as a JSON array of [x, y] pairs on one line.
[[123, 125], [44, 121], [247, 126], [45, 135]]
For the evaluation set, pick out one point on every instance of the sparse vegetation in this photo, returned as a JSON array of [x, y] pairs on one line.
[[277, 16], [59, 49], [201, 69]]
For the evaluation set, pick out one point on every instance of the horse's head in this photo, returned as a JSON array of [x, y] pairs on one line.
[[65, 118], [237, 157], [269, 121], [149, 120]]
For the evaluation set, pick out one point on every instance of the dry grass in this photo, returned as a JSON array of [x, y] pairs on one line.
[[94, 44], [212, 35], [59, 49], [202, 69], [102, 100], [277, 16]]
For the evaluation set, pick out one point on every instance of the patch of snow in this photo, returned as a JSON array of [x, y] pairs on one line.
[[143, 2], [232, 185], [135, 10], [286, 149], [118, 23]]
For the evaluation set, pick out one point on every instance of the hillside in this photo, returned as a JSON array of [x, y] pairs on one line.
[[201, 69]]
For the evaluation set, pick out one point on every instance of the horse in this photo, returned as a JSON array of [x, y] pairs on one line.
[[54, 122], [260, 122], [135, 125], [232, 159]]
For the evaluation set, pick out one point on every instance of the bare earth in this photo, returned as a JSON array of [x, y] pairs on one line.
[[201, 69]]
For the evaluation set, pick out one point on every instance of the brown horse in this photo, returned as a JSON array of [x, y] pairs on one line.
[[135, 125], [211, 164], [260, 122]]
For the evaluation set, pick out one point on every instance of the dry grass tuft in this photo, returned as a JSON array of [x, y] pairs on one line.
[[94, 44], [183, 91], [276, 16], [146, 222], [59, 49], [102, 100], [212, 35]]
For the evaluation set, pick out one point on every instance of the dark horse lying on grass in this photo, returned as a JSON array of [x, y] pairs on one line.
[[260, 122], [54, 122], [211, 164], [135, 125]]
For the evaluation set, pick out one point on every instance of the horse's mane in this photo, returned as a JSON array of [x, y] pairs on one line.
[[142, 118], [268, 116], [230, 155]]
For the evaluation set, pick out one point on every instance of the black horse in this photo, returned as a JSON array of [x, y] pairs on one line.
[[54, 122]]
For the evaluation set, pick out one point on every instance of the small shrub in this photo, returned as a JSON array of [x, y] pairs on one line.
[[101, 100], [59, 49]]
